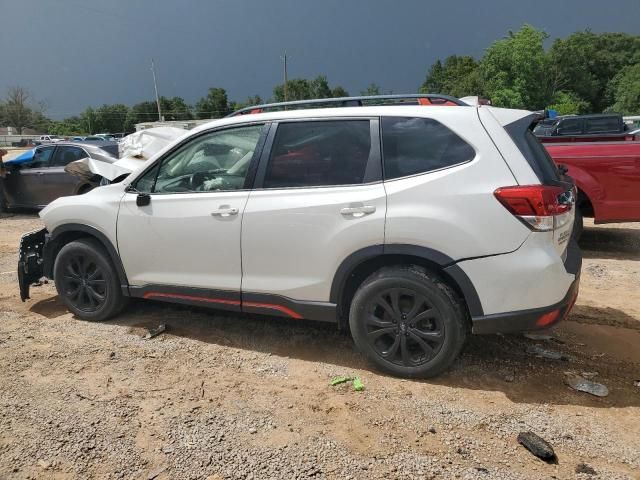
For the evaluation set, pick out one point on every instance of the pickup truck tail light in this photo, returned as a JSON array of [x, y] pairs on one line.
[[540, 207]]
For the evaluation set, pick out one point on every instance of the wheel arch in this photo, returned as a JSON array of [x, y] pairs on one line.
[[355, 268], [66, 233]]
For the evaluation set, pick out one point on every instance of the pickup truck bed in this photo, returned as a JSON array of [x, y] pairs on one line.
[[607, 175]]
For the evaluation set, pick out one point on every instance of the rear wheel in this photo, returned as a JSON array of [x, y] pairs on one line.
[[408, 322], [87, 282]]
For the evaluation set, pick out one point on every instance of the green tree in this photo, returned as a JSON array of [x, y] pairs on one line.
[[513, 70], [459, 76], [585, 63], [297, 89], [338, 91], [568, 103], [320, 87], [110, 118], [371, 90], [251, 100], [625, 88], [68, 127], [303, 89], [434, 82], [214, 105]]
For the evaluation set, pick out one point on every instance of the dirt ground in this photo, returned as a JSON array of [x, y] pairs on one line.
[[232, 396]]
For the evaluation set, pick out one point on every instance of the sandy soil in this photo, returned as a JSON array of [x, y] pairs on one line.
[[232, 396]]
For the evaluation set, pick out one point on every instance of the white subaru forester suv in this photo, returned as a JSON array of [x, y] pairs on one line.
[[412, 226]]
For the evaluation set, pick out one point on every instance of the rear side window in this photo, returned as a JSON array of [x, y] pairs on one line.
[[603, 125], [418, 145], [319, 153], [66, 155]]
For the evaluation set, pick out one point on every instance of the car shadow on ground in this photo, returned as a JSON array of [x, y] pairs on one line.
[[487, 363], [611, 243]]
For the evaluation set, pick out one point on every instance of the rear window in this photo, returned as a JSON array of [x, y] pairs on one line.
[[417, 145], [533, 151], [603, 125]]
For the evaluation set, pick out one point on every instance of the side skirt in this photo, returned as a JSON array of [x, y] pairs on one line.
[[260, 303]]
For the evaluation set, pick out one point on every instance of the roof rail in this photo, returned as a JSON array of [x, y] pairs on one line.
[[411, 99]]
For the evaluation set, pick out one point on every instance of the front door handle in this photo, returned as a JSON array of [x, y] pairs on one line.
[[359, 211], [224, 211]]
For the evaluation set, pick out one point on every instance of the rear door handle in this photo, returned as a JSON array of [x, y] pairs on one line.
[[359, 211], [224, 211]]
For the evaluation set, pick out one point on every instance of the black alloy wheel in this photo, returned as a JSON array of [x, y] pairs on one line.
[[403, 327], [84, 283]]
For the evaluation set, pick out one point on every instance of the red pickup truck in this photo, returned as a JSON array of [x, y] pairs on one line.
[[607, 175]]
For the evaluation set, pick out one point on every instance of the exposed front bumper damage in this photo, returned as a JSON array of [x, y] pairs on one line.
[[31, 260]]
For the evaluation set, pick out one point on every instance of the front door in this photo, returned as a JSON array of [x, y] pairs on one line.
[[187, 238], [24, 183]]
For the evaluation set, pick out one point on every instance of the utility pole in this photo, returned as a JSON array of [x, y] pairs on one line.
[[286, 80], [155, 86]]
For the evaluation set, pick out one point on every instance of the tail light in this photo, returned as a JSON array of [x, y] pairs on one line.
[[540, 207]]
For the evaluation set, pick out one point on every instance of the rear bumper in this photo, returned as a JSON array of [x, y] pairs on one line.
[[536, 318]]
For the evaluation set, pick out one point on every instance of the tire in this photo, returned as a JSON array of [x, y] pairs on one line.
[[390, 324], [86, 281], [578, 225]]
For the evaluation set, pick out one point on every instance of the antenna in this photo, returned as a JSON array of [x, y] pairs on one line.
[[155, 86], [286, 80]]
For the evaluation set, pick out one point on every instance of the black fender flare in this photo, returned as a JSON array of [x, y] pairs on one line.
[[447, 265], [53, 246]]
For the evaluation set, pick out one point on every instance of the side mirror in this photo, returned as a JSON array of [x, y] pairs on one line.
[[143, 199]]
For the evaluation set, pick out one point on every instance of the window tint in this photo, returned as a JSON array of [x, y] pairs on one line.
[[418, 145], [570, 126], [41, 158], [309, 154], [603, 125], [214, 161], [66, 155]]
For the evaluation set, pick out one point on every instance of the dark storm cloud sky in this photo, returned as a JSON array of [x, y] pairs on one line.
[[76, 53]]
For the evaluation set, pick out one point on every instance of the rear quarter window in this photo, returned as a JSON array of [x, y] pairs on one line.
[[413, 146]]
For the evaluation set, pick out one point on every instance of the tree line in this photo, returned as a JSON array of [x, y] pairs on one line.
[[582, 73]]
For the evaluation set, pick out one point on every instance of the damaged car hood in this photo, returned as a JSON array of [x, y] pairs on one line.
[[134, 150]]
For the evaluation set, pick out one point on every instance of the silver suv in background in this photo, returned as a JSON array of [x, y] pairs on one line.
[[411, 225]]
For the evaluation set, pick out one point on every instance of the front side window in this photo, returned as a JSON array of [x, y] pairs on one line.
[[319, 153], [417, 145], [211, 162]]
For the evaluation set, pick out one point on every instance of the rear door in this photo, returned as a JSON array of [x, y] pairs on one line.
[[55, 181], [318, 198]]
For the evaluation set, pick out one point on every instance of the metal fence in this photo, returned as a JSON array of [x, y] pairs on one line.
[[10, 140]]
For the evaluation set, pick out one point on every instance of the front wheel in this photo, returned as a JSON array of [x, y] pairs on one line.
[[87, 282], [408, 322]]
